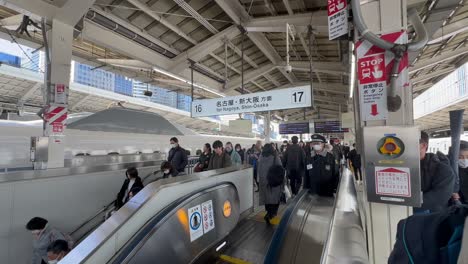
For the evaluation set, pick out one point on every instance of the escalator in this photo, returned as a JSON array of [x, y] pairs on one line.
[[212, 221]]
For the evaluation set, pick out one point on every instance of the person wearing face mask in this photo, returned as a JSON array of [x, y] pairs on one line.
[[463, 171], [321, 175], [132, 180], [220, 159], [437, 178], [168, 170], [177, 155], [294, 163], [241, 152], [57, 250], [235, 158], [43, 236]]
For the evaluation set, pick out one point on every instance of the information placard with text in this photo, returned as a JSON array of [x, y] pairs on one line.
[[295, 97]]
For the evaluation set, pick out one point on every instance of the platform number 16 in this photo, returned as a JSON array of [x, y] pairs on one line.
[[198, 108], [297, 97]]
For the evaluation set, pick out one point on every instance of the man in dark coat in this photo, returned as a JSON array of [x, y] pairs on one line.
[[437, 178], [321, 176], [294, 163], [355, 159], [463, 171], [177, 155]]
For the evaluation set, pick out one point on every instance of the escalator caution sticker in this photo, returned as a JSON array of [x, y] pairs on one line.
[[195, 223], [208, 216]]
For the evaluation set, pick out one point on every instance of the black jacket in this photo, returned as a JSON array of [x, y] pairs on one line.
[[425, 237], [241, 154], [463, 174], [178, 158], [321, 176], [355, 158], [437, 182], [204, 160], [138, 183], [294, 158]]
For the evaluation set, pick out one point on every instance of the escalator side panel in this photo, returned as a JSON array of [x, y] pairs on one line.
[[307, 230], [169, 240]]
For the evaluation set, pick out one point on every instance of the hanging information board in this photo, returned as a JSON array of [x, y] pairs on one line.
[[295, 97], [337, 18]]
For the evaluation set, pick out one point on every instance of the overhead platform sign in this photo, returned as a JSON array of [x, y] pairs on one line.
[[295, 97], [337, 18]]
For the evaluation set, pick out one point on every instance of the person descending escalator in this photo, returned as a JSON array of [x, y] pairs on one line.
[[220, 159], [177, 156], [204, 159], [57, 250], [241, 152], [235, 158], [321, 175], [294, 163], [43, 235], [269, 185], [132, 180], [168, 170]]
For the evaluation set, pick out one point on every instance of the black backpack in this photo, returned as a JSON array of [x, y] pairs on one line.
[[275, 175]]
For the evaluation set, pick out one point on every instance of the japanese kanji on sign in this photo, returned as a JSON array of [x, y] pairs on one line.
[[337, 18], [55, 118], [264, 101], [393, 181], [373, 72]]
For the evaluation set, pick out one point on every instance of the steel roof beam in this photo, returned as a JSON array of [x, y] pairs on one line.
[[449, 30], [147, 9], [238, 14], [431, 75], [300, 21], [29, 93], [197, 16], [445, 56], [249, 76], [199, 51]]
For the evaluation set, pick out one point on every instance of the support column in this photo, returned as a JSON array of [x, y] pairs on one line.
[[382, 17], [267, 127], [57, 80]]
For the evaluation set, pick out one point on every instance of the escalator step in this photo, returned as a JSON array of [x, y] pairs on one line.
[[232, 260]]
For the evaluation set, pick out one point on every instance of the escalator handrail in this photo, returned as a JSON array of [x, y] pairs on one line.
[[107, 207], [271, 256], [160, 218]]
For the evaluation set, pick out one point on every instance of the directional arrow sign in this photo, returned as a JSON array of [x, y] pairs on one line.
[[374, 111]]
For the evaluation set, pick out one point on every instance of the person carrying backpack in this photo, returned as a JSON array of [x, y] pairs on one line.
[[434, 238], [271, 180]]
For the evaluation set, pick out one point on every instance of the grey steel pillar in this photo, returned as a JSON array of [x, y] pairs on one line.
[[456, 127]]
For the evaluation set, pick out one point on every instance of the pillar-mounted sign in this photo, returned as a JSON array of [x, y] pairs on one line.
[[392, 165], [295, 97]]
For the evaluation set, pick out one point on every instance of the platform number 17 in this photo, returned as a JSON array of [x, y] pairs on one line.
[[297, 97]]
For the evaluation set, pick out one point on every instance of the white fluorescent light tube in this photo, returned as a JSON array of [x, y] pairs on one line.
[[187, 81], [352, 75]]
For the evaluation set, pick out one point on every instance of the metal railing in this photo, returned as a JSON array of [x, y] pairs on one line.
[[105, 212], [346, 240]]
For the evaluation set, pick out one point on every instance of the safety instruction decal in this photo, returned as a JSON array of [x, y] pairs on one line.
[[372, 87], [208, 216], [394, 181], [195, 223]]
